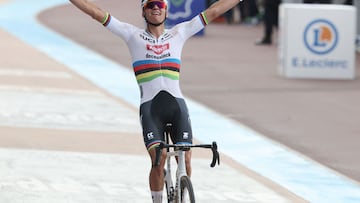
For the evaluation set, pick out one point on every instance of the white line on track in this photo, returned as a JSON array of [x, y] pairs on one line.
[[34, 73], [71, 110]]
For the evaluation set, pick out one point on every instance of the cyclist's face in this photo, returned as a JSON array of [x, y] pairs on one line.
[[155, 11]]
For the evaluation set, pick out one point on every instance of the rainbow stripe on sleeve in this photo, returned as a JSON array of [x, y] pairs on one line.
[[105, 21], [203, 18]]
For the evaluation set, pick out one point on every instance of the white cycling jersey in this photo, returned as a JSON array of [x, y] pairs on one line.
[[156, 61]]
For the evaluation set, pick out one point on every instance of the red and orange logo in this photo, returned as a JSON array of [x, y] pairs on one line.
[[158, 49]]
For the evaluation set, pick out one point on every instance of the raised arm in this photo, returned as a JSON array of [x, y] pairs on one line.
[[91, 9], [219, 7]]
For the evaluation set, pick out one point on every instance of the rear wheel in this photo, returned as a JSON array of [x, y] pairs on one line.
[[186, 190]]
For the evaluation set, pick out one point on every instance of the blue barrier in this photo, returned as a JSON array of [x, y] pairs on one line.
[[183, 10]]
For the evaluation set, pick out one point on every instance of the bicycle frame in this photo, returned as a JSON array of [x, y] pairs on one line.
[[174, 192]]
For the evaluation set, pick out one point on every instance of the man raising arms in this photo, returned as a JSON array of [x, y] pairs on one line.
[[156, 58]]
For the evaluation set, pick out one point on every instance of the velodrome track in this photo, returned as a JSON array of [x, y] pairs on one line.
[[50, 102]]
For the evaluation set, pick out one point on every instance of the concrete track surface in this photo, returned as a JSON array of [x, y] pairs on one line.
[[67, 135]]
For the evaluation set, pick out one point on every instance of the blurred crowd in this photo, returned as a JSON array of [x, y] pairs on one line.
[[255, 12]]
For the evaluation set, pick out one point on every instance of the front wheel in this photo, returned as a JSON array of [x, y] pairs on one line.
[[186, 190]]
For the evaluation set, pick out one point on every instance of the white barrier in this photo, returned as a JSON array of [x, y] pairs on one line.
[[317, 41]]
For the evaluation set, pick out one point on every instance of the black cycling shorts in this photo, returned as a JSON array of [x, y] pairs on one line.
[[157, 113]]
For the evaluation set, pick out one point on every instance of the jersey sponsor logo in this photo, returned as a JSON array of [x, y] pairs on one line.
[[158, 49], [150, 135], [185, 135], [147, 38], [149, 56]]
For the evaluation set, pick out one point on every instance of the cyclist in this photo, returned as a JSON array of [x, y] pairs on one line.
[[156, 57]]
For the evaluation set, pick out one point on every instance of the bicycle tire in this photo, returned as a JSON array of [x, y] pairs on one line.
[[186, 190]]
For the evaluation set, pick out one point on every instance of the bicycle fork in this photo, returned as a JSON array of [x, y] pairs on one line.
[[174, 193], [168, 181], [180, 173]]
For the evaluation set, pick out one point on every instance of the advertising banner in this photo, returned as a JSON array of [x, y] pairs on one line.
[[183, 10], [317, 41]]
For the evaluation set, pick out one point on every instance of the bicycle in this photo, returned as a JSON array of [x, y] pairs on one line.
[[183, 190]]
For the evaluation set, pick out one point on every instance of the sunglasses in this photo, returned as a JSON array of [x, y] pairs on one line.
[[152, 4]]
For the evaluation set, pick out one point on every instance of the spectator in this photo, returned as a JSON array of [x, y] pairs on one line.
[[271, 13], [248, 10]]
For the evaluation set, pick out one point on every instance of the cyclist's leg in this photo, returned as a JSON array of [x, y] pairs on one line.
[[188, 162], [153, 134], [157, 172], [182, 132], [188, 155]]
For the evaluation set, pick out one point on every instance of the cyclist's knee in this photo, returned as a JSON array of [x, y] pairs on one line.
[[159, 169], [152, 153]]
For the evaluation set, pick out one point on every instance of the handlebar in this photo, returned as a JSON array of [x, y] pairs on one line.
[[213, 147]]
